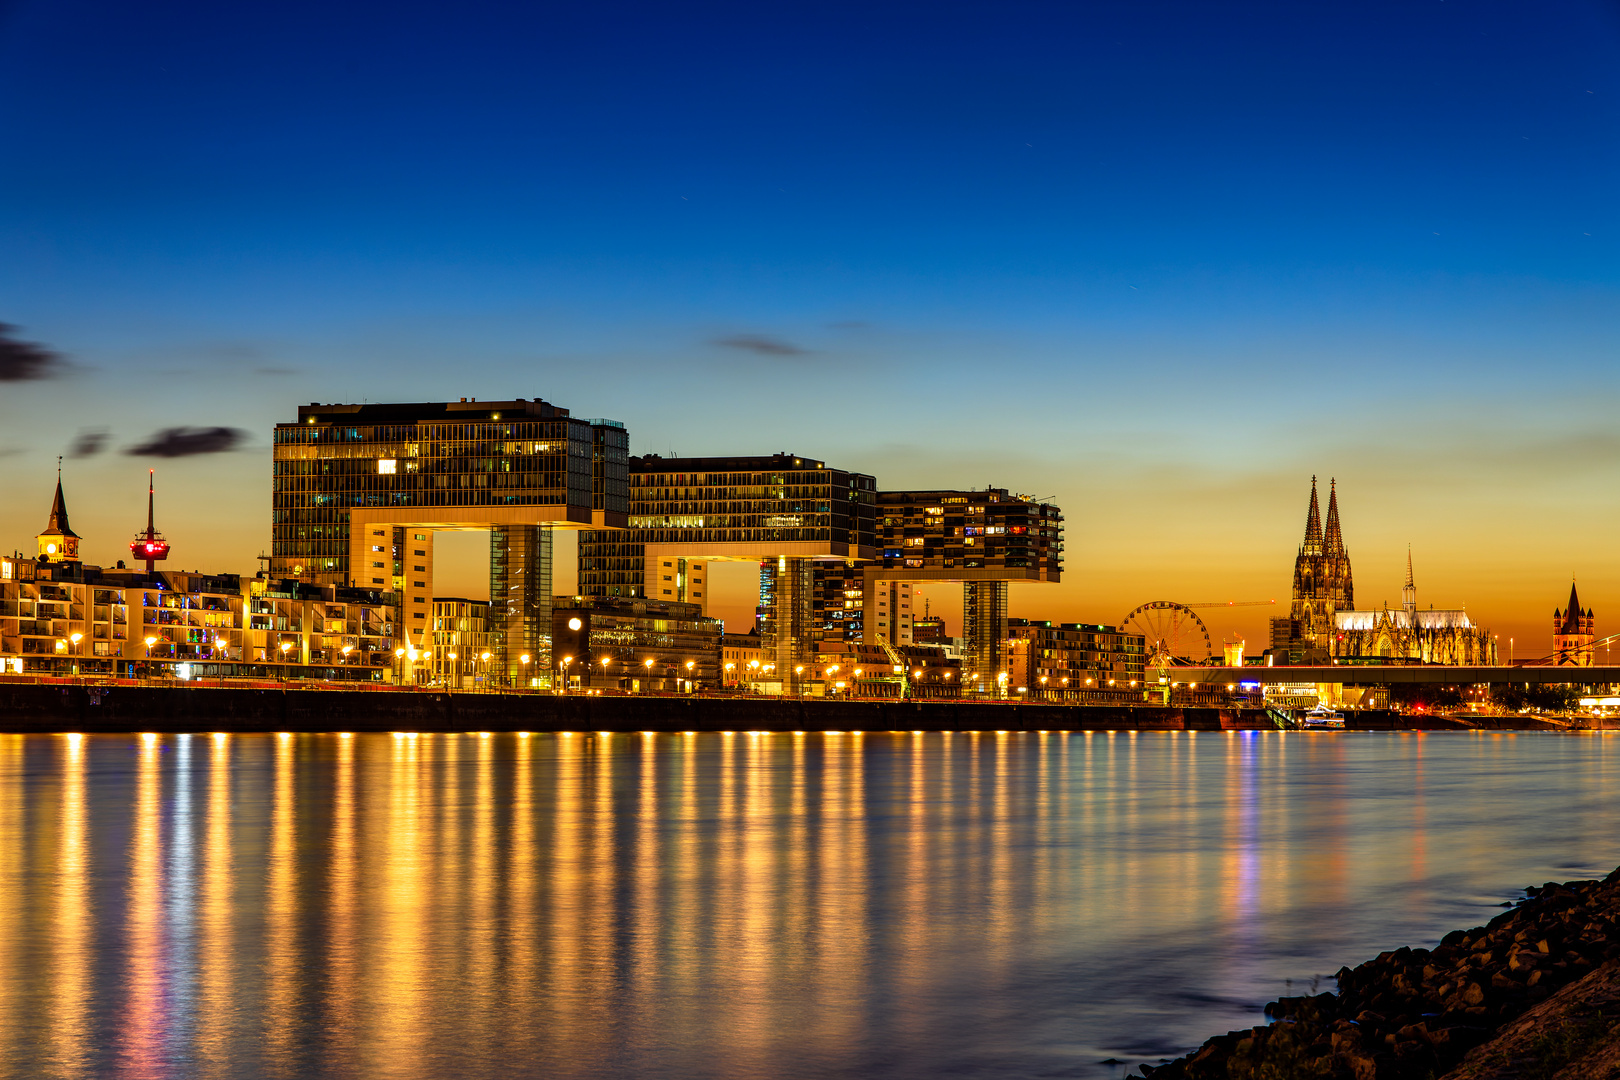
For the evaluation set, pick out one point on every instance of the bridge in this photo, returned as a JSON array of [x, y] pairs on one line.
[[1396, 674]]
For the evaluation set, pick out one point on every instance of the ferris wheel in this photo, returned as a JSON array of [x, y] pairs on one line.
[[1174, 633]]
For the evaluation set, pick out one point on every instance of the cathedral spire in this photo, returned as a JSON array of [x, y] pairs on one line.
[[1313, 521], [1409, 590], [1333, 544]]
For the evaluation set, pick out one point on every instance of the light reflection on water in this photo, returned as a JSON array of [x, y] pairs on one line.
[[738, 904]]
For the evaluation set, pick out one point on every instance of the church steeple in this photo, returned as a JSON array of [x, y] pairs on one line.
[[1313, 525], [1574, 631], [1409, 590], [1333, 542], [59, 543]]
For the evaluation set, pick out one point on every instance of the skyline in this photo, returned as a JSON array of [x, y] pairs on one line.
[[1164, 264]]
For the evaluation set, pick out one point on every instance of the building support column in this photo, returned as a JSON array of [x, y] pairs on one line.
[[984, 620], [786, 640], [520, 604]]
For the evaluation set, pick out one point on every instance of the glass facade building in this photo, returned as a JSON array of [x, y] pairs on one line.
[[359, 491]]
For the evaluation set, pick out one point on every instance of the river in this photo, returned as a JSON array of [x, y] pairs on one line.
[[738, 905]]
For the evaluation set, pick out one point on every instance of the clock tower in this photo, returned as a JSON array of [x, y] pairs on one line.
[[58, 543]]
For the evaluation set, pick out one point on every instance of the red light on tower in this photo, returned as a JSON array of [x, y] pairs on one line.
[[149, 546]]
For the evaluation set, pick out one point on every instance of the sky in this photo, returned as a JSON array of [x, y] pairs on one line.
[[1161, 262]]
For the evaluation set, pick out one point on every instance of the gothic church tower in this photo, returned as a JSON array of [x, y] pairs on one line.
[[1573, 633], [1322, 582]]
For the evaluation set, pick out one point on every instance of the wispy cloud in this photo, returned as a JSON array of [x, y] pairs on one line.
[[21, 361], [275, 371], [189, 441], [761, 344], [89, 442]]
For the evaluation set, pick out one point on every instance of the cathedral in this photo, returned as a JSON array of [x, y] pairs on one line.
[[1324, 626]]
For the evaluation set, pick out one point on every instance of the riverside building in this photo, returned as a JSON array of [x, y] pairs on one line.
[[361, 490], [461, 641], [685, 513], [61, 616], [1075, 660], [633, 644], [983, 539]]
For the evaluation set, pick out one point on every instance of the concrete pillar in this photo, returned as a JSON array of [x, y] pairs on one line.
[[520, 604]]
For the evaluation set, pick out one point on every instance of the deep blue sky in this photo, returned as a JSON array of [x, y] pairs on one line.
[[1161, 260]]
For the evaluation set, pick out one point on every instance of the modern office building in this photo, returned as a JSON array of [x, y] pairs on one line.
[[361, 490], [1073, 660], [687, 512], [983, 539], [460, 641], [633, 644], [841, 605]]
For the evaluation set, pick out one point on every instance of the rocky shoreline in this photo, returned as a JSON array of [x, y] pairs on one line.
[[1535, 993]]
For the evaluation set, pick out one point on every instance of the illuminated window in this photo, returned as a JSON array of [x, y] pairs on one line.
[[386, 466]]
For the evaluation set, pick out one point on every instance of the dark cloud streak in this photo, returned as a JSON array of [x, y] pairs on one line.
[[759, 343], [21, 361], [89, 443], [189, 441]]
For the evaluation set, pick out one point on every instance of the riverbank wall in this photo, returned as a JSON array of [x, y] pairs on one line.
[[90, 708]]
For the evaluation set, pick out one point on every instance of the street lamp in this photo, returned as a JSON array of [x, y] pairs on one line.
[[524, 660], [689, 666], [75, 637], [647, 663], [565, 662], [485, 658], [151, 641]]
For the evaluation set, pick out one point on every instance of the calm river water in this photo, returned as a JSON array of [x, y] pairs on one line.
[[737, 905]]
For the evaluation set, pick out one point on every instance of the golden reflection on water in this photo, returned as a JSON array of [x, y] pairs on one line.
[[283, 1001], [215, 918], [13, 864], [142, 1025], [731, 905], [396, 1015], [70, 930]]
